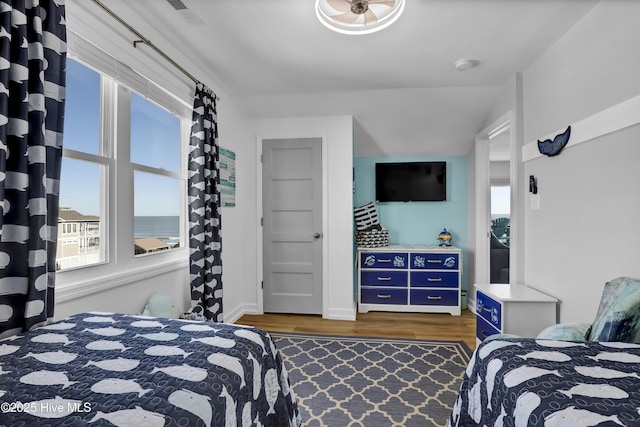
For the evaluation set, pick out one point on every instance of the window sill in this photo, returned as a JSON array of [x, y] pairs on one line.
[[79, 289]]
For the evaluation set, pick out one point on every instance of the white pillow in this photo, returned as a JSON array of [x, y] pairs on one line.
[[365, 216]]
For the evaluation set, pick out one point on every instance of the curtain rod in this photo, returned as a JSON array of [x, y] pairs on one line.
[[146, 41]]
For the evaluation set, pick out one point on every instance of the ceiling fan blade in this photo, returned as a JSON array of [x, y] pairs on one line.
[[340, 5], [370, 17], [389, 3], [345, 18]]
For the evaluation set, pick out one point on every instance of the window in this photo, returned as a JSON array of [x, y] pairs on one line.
[[119, 147], [500, 201], [155, 135], [156, 158], [156, 221], [82, 180]]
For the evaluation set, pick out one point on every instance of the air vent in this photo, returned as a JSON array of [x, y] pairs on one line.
[[188, 13], [177, 4]]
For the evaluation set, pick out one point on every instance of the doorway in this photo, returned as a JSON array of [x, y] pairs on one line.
[[500, 206], [497, 172], [292, 225]]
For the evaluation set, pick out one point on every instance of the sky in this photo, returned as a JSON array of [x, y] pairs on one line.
[[501, 200], [155, 142]]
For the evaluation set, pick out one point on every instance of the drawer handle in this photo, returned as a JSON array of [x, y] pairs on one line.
[[434, 261], [384, 278], [384, 260], [383, 296], [434, 298], [431, 279], [484, 334], [486, 309]]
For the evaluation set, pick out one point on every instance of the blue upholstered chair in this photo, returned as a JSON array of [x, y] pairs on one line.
[[618, 317]]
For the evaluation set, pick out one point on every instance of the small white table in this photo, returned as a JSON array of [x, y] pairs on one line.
[[512, 309]]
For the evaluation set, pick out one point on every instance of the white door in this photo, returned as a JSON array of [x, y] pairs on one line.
[[292, 225]]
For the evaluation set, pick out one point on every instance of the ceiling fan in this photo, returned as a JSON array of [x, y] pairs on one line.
[[358, 16]]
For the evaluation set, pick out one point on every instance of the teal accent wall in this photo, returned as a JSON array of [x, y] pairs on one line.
[[419, 223]]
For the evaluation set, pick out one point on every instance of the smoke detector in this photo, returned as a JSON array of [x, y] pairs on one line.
[[464, 64]]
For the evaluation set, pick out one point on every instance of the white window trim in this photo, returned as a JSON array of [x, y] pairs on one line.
[[121, 266]]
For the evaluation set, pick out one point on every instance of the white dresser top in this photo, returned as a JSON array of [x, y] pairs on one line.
[[504, 292], [431, 248]]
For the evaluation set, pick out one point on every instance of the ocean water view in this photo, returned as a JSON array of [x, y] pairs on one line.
[[166, 227]]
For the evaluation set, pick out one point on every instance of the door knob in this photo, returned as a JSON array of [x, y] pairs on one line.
[[317, 235]]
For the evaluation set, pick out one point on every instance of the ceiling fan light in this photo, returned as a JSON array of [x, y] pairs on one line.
[[354, 16]]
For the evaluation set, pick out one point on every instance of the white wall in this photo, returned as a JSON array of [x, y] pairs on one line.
[[129, 296], [338, 257], [595, 65], [585, 231]]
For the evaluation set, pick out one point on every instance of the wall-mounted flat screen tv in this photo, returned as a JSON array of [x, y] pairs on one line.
[[411, 182]]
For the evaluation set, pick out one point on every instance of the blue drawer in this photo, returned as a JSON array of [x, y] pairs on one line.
[[383, 278], [383, 296], [484, 329], [384, 260], [489, 309], [434, 297], [434, 279], [439, 261]]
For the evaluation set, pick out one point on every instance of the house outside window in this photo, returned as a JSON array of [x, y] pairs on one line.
[[78, 239]]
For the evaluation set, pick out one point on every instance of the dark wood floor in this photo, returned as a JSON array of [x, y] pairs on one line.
[[433, 326]]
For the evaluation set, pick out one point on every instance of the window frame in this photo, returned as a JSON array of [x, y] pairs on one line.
[[121, 265]]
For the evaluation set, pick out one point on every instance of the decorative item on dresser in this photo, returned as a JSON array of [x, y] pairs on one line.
[[512, 309], [410, 278]]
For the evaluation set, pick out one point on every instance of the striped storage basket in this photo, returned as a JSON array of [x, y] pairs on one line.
[[372, 238]]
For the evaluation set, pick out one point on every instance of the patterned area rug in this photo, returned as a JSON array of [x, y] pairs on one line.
[[349, 381]]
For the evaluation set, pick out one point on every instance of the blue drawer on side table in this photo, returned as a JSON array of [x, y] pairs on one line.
[[490, 310], [484, 329]]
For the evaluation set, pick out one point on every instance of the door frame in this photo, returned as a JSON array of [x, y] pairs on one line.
[[259, 216], [483, 197]]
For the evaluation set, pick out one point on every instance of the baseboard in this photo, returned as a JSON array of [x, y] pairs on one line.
[[230, 316], [340, 314], [234, 314]]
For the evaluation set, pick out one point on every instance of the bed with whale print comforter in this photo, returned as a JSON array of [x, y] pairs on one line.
[[105, 369], [529, 382]]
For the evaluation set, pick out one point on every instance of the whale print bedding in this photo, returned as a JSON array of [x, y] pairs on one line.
[[528, 382], [106, 369]]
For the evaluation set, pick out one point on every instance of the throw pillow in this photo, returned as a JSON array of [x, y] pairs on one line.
[[618, 317], [365, 216]]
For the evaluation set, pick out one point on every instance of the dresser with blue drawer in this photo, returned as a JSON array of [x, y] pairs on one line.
[[512, 309], [409, 278]]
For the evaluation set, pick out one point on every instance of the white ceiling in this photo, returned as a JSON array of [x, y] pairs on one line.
[[274, 59]]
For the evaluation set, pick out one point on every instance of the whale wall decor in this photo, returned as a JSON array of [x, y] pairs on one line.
[[554, 147]]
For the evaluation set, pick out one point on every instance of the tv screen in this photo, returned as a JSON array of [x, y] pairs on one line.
[[411, 182]]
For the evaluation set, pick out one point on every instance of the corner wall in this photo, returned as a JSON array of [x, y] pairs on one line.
[[585, 232], [419, 223]]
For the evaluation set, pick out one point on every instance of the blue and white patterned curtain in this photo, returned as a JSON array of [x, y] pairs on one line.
[[205, 239], [32, 93]]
